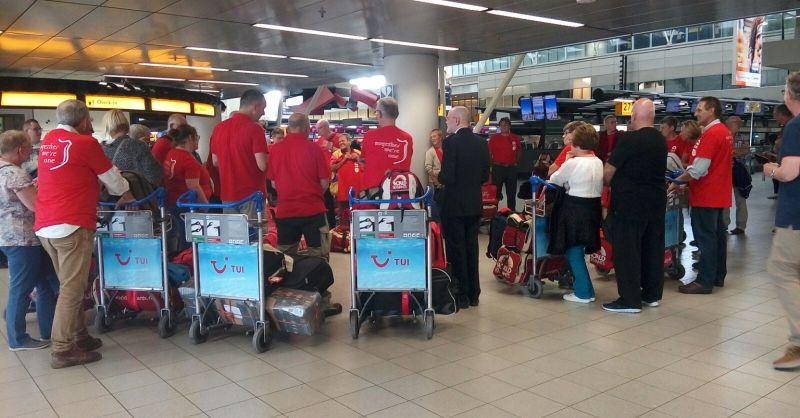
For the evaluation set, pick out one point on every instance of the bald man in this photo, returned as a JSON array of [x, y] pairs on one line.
[[164, 142], [635, 172], [465, 167]]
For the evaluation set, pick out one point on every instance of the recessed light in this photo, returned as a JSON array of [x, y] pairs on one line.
[[228, 51], [309, 31], [455, 4], [535, 18], [186, 67], [143, 77], [270, 73], [203, 90], [235, 83], [414, 44], [329, 61]]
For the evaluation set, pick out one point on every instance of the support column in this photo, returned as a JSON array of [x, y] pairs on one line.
[[415, 81]]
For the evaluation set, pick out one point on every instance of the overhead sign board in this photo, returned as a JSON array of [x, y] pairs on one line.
[[623, 107], [174, 106], [94, 101], [204, 109], [25, 99]]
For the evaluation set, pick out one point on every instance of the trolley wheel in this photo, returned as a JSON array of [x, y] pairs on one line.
[[677, 271], [603, 271], [262, 339], [535, 288], [102, 322], [195, 336], [354, 324], [166, 328], [429, 325]]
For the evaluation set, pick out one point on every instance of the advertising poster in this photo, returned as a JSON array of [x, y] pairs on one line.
[[130, 263], [748, 44], [229, 270], [391, 263]]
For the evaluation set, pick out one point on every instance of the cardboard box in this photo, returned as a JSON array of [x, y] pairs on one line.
[[295, 311]]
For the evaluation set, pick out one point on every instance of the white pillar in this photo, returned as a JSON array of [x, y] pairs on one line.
[[415, 81]]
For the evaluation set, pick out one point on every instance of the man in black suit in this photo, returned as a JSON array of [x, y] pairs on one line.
[[465, 167]]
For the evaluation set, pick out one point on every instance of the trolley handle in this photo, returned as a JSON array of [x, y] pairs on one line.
[[159, 193], [427, 198], [672, 177], [536, 181], [188, 200]]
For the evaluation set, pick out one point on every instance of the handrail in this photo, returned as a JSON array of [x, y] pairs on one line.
[[187, 200]]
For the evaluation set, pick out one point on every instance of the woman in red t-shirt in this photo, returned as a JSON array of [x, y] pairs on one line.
[[349, 172], [566, 152], [182, 172]]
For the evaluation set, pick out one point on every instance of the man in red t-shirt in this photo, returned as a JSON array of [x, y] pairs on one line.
[[710, 177], [300, 173], [386, 148], [164, 142], [668, 128], [238, 163], [70, 163], [328, 142], [505, 149], [608, 137]]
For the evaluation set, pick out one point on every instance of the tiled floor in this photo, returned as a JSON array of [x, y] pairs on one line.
[[695, 356]]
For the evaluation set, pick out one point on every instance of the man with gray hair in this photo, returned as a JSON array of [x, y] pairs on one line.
[[635, 172], [164, 142], [70, 163], [386, 148]]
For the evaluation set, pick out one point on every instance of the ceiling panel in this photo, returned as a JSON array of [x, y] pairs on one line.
[[145, 5], [60, 47], [49, 17], [12, 9], [33, 65], [102, 22], [151, 27], [17, 44], [214, 9], [103, 50]]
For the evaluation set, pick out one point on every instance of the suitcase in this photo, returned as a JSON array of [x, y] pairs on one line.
[[496, 228], [489, 201], [512, 266], [295, 311], [515, 234], [438, 255]]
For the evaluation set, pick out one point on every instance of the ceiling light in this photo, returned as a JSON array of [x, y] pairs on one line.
[[235, 83], [389, 41], [535, 18], [143, 77], [455, 4], [187, 67], [329, 61], [310, 31], [228, 51], [203, 90], [269, 73]]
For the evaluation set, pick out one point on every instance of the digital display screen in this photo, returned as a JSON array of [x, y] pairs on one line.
[[739, 108], [551, 107], [694, 105], [537, 102], [673, 106], [526, 108]]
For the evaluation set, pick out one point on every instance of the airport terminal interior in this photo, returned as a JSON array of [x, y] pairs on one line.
[[517, 353]]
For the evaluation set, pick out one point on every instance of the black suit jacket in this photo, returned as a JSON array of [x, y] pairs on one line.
[[465, 167]]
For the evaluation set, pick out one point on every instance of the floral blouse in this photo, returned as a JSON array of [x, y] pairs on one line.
[[16, 220]]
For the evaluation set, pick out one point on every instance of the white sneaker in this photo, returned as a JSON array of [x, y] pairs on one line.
[[570, 297], [651, 304]]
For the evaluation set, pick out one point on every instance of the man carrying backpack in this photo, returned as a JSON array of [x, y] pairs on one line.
[[465, 167]]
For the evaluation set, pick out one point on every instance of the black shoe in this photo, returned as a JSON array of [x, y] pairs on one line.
[[617, 307], [463, 302], [773, 197], [719, 283], [737, 231], [333, 309], [696, 266]]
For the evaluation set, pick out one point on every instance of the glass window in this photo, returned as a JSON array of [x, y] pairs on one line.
[[624, 44], [724, 29], [481, 67], [529, 59], [641, 40], [700, 33], [575, 51], [789, 25], [611, 45], [678, 85], [708, 82]]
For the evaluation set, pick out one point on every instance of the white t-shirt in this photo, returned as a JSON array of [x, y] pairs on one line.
[[581, 176]]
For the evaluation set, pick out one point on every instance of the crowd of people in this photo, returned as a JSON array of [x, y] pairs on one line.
[[48, 224]]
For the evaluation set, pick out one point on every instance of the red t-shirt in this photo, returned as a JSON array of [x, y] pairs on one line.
[[504, 149], [69, 164], [562, 156], [235, 141], [714, 189], [297, 165], [323, 144], [161, 148], [387, 148], [607, 140], [178, 166], [350, 174]]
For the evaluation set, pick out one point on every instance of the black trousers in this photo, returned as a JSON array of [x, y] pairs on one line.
[[712, 240], [502, 175], [330, 207], [638, 259], [461, 240]]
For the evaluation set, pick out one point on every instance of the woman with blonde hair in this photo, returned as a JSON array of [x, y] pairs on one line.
[[127, 153]]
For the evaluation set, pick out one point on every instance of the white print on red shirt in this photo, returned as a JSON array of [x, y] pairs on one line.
[[393, 150], [48, 153], [172, 163]]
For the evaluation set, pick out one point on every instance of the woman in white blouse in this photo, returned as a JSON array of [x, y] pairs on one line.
[[576, 225]]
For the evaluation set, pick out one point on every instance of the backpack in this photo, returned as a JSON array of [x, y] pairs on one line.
[[399, 184], [742, 179]]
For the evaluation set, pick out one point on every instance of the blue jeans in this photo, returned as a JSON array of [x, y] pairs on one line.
[[582, 284], [29, 267], [712, 240]]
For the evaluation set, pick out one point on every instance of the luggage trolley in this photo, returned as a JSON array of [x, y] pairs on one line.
[[137, 262], [228, 266], [390, 253]]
